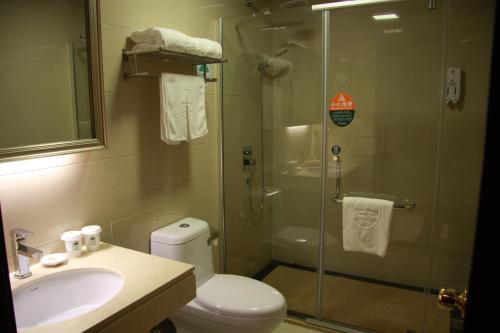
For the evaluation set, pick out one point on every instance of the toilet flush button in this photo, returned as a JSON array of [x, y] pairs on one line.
[[184, 225]]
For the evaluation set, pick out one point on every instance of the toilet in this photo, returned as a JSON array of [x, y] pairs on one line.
[[224, 303]]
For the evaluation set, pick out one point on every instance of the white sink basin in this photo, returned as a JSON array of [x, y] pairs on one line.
[[64, 295]]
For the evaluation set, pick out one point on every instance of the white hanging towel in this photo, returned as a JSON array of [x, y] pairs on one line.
[[366, 224], [152, 38], [182, 108]]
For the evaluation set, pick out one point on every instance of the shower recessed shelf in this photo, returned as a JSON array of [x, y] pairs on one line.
[[166, 55]]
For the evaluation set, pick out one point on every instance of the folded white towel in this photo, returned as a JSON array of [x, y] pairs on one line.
[[182, 103], [173, 40], [366, 225]]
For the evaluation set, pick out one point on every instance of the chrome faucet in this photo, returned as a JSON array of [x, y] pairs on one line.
[[23, 253]]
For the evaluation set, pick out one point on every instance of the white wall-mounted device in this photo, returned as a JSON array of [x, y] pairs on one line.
[[453, 84]]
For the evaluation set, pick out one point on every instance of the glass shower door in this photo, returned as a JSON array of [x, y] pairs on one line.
[[271, 145], [400, 140]]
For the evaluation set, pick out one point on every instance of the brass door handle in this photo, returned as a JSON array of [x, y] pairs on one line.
[[448, 298]]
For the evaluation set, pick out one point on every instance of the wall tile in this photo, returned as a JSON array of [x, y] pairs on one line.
[[139, 15], [134, 232], [51, 201]]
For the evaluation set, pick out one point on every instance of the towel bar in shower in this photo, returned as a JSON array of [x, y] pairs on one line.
[[338, 197], [167, 55], [398, 204]]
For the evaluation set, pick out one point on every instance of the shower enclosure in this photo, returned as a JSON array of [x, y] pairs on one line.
[[293, 146]]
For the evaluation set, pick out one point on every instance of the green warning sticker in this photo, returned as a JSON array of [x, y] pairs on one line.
[[342, 109]]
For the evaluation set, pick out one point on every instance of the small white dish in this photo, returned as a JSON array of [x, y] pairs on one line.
[[53, 259]]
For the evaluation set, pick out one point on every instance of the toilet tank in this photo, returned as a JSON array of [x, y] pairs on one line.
[[187, 241]]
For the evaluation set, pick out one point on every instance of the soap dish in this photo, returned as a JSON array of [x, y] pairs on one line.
[[53, 259]]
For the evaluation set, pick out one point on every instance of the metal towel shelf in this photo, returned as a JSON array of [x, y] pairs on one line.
[[167, 55]]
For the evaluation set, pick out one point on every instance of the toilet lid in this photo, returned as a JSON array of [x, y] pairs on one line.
[[235, 295]]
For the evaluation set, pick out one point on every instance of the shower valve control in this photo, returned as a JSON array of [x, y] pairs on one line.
[[248, 160], [453, 84]]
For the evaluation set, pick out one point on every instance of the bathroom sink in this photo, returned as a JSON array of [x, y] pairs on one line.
[[64, 295]]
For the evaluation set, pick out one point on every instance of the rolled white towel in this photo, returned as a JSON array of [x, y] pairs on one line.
[[173, 40], [206, 47]]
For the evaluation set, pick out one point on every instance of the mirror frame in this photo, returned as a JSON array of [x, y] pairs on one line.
[[93, 23]]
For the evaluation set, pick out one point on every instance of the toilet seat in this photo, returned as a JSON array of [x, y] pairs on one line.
[[239, 296], [198, 319]]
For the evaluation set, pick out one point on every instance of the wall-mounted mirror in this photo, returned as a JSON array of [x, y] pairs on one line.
[[51, 96]]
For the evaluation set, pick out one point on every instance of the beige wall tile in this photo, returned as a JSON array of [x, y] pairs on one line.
[[134, 232], [468, 24], [143, 181], [133, 122], [466, 123], [203, 15], [52, 201], [242, 117], [139, 15]]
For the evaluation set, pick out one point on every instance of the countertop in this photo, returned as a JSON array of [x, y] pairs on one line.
[[145, 277]]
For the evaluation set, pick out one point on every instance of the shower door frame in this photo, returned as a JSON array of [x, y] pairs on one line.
[[325, 62], [325, 66]]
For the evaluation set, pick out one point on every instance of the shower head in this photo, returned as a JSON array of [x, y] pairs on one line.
[[266, 11]]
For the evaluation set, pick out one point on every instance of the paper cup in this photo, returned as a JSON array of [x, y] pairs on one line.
[[73, 242], [92, 237]]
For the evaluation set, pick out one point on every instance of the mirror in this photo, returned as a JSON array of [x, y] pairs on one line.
[[51, 96]]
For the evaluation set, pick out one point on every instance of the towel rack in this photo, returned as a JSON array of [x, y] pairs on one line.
[[167, 55], [338, 197]]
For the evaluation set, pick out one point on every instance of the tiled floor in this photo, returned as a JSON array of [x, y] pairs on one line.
[[373, 306], [286, 327]]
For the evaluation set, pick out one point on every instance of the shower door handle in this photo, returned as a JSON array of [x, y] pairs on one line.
[[449, 299]]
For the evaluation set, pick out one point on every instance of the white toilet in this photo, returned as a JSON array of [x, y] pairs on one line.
[[224, 303]]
